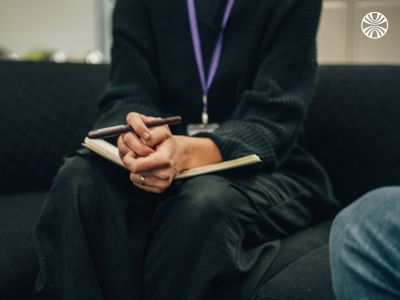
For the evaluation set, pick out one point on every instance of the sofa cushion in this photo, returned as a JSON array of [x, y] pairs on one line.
[[301, 269], [306, 278], [353, 125], [18, 262], [46, 111]]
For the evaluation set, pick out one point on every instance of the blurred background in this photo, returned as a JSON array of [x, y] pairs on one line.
[[77, 30]]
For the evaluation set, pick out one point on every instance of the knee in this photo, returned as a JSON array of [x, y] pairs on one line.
[[72, 168], [383, 206], [362, 240], [74, 177], [355, 226], [207, 200], [370, 210]]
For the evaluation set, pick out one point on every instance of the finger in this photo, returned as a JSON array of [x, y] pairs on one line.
[[167, 174], [158, 135], [137, 123], [122, 148], [134, 144], [150, 181], [149, 118], [151, 162], [146, 187], [129, 160]]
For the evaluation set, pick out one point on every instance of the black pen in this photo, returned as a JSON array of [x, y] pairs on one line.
[[120, 129]]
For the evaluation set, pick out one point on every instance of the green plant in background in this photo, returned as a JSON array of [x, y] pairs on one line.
[[45, 55], [39, 55]]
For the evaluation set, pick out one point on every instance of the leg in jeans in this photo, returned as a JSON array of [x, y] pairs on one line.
[[214, 239], [365, 247], [91, 234]]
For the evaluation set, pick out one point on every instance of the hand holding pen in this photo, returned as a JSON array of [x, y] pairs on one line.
[[139, 127], [152, 155]]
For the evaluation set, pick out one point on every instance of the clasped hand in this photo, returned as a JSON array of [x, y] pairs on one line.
[[154, 153]]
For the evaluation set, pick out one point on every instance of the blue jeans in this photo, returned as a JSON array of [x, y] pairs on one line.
[[365, 247]]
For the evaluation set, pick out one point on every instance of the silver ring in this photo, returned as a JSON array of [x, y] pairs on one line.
[[141, 180]]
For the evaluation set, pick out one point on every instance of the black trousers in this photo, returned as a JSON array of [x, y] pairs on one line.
[[207, 237]]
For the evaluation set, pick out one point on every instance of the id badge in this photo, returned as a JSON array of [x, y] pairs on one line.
[[192, 129]]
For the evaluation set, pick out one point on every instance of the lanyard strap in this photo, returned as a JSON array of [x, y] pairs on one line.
[[207, 82]]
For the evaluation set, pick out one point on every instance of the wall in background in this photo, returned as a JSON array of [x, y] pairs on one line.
[[77, 26], [340, 39], [72, 26]]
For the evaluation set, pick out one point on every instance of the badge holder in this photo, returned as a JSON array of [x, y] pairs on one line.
[[193, 129]]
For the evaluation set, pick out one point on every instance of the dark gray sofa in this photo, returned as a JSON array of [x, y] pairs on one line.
[[353, 128]]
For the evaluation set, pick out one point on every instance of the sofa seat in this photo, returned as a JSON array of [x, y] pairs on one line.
[[18, 263], [301, 262], [301, 269]]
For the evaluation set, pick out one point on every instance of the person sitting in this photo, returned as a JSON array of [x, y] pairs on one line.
[[243, 72]]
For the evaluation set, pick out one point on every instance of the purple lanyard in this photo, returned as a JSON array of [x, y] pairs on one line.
[[207, 82]]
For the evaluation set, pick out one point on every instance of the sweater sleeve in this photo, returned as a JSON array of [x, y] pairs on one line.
[[269, 116], [132, 82]]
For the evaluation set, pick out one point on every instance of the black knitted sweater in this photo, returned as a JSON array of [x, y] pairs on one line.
[[262, 89]]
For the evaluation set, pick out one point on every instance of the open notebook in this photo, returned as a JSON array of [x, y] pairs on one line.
[[110, 152]]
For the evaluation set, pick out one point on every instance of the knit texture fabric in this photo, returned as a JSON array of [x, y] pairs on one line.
[[262, 89]]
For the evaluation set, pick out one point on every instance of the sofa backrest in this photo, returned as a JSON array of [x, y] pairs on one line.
[[352, 127], [45, 112]]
